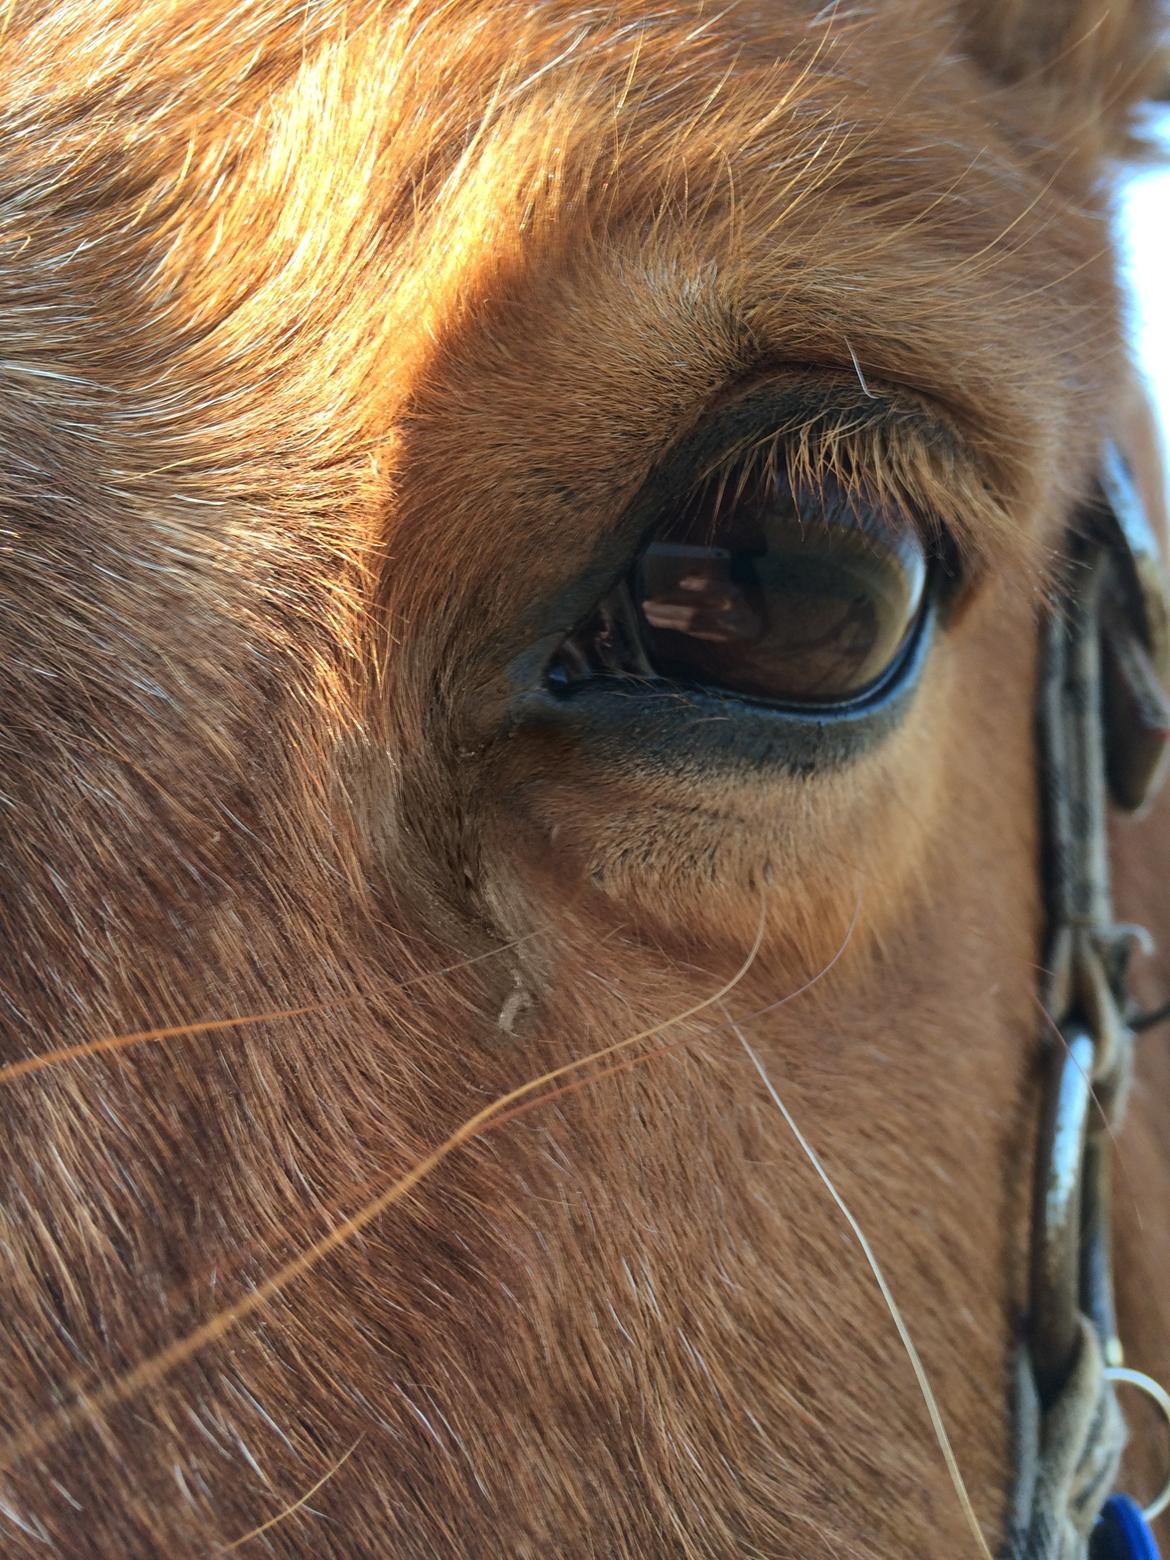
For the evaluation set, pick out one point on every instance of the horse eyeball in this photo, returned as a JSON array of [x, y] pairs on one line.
[[782, 596]]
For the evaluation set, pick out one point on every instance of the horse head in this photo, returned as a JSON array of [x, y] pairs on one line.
[[534, 536]]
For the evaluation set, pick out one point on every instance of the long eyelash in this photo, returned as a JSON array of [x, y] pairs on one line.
[[892, 456]]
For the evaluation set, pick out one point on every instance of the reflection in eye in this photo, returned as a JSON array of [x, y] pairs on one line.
[[782, 596], [701, 603], [804, 598]]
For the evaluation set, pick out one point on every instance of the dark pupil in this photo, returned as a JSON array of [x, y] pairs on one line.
[[782, 599]]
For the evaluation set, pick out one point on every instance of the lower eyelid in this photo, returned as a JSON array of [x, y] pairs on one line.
[[638, 726]]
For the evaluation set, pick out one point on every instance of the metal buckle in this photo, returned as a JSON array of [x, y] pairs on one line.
[[1072, 1266], [1158, 1394], [1058, 1217], [1106, 727], [1135, 638]]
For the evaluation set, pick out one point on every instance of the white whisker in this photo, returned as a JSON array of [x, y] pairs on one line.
[[891, 1305], [860, 376]]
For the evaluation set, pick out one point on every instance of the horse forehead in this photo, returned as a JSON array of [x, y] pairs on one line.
[[444, 146]]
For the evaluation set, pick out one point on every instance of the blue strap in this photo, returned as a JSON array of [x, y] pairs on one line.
[[1123, 1533]]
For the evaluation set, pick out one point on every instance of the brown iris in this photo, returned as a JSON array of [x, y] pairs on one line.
[[785, 596]]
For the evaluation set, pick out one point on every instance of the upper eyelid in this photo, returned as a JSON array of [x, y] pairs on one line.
[[893, 432], [886, 442]]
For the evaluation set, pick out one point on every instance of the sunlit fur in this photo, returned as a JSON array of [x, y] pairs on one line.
[[332, 336]]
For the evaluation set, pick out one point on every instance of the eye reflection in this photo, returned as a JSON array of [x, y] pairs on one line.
[[793, 598], [780, 595], [702, 602]]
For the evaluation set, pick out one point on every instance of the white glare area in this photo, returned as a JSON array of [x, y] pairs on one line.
[[1144, 232]]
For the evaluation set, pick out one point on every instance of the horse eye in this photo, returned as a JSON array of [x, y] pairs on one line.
[[776, 601], [783, 596]]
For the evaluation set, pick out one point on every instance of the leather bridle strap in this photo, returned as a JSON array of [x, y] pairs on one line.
[[1103, 727]]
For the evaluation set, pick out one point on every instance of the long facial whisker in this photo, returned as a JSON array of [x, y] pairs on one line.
[[87, 1406], [365, 1186], [303, 1500], [107, 1043], [920, 1375]]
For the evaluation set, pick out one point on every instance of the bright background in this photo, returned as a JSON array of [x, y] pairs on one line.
[[1144, 225]]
